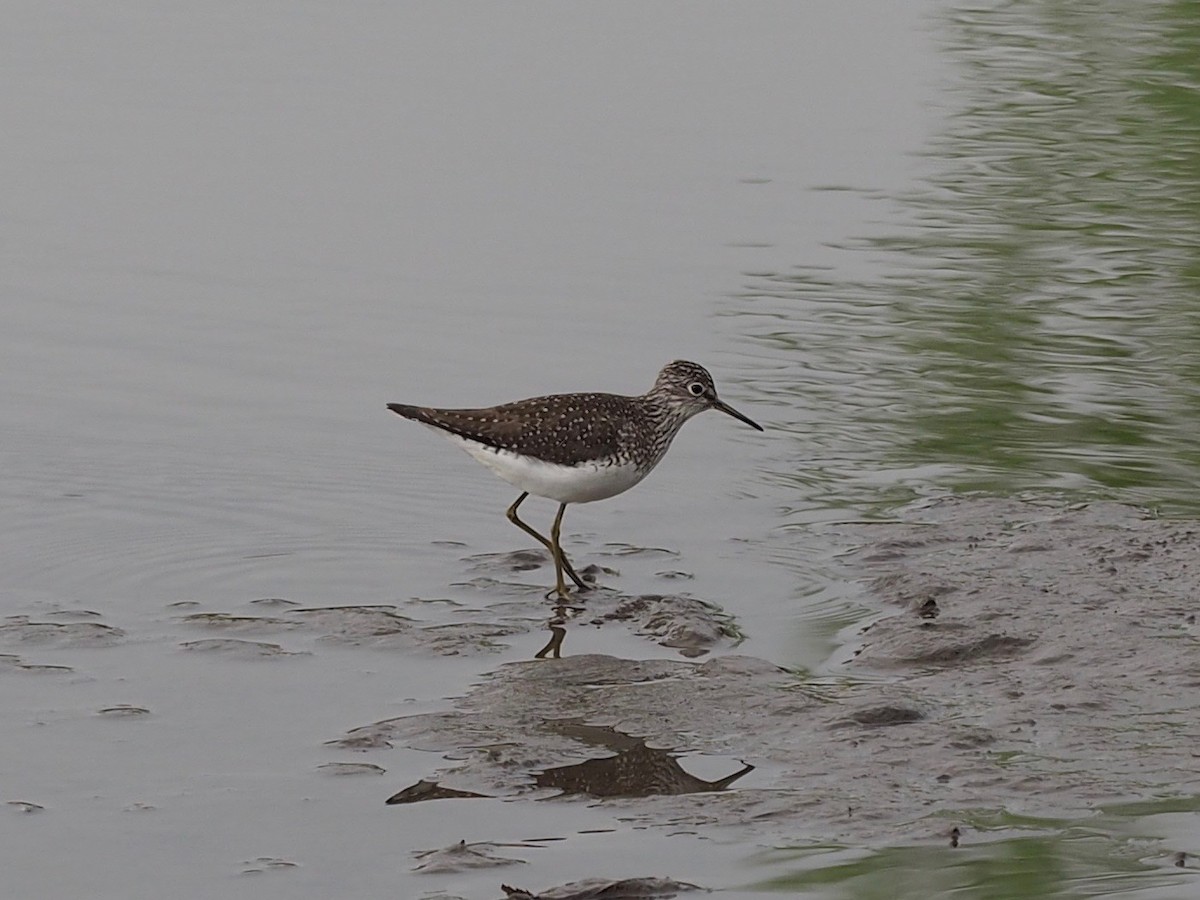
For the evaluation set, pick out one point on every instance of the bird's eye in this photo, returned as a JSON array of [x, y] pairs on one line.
[[696, 388]]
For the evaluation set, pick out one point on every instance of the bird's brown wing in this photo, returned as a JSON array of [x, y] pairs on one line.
[[567, 429]]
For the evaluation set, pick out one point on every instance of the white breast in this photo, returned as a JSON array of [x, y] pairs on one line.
[[566, 484]]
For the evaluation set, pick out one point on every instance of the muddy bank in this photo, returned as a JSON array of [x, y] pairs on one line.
[[1032, 658], [515, 612]]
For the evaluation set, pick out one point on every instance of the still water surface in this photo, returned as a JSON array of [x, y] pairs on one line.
[[932, 247]]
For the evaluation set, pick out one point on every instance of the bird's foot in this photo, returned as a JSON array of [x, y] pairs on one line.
[[559, 594]]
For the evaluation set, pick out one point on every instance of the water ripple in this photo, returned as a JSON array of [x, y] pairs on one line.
[[1026, 317]]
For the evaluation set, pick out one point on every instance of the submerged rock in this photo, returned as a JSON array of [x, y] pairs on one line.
[[462, 857], [605, 889]]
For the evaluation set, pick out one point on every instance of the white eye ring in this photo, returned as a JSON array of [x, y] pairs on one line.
[[696, 388]]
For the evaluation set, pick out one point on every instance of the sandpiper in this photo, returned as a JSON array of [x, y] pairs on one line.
[[577, 448]]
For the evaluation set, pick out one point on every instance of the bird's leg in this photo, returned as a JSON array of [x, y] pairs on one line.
[[556, 548], [512, 517], [554, 645]]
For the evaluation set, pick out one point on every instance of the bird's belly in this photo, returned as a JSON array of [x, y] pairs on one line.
[[566, 484]]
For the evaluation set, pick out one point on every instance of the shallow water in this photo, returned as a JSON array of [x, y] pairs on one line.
[[932, 248]]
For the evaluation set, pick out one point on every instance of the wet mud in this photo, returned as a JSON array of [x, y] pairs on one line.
[[515, 613], [633, 770], [1029, 657], [1028, 662]]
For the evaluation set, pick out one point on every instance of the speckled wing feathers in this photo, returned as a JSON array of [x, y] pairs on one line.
[[567, 429]]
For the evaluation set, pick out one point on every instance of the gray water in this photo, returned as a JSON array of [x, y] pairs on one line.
[[930, 248]]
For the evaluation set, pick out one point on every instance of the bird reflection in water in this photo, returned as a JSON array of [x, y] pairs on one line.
[[562, 614]]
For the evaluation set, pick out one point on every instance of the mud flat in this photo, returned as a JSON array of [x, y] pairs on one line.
[[1031, 659]]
